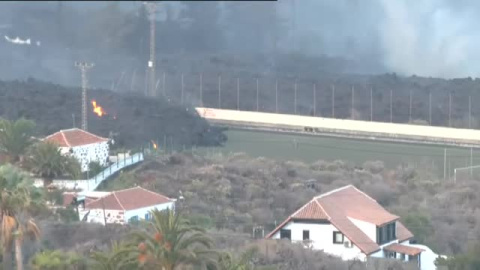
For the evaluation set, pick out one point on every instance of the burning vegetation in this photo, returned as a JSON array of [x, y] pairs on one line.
[[98, 110]]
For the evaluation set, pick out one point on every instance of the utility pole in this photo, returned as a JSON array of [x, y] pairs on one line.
[[276, 95], [333, 101], [238, 94], [391, 105], [371, 104], [295, 97], [83, 69], [314, 99], [444, 163], [410, 108], [151, 9], [430, 107]]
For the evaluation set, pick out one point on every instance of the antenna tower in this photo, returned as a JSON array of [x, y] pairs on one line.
[[83, 69], [151, 9]]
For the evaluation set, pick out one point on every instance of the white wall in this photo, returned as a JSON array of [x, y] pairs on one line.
[[142, 211], [91, 152], [417, 132], [321, 236], [367, 228], [97, 216]]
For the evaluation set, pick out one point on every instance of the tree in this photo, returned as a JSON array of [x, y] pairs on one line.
[[467, 261], [46, 161], [23, 227], [15, 137], [171, 242], [119, 258], [95, 168], [57, 260], [18, 199], [227, 262]]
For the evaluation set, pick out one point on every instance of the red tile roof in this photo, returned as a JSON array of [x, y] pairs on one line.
[[412, 251], [74, 137], [129, 199], [338, 206], [403, 233], [311, 210]]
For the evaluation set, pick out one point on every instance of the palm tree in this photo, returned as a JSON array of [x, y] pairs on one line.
[[46, 161], [18, 198], [171, 242], [15, 137], [119, 258], [24, 227]]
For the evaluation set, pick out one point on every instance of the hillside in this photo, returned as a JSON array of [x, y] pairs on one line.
[[236, 192], [133, 121]]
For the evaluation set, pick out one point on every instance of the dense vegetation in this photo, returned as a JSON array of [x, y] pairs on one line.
[[132, 121], [236, 193], [225, 195]]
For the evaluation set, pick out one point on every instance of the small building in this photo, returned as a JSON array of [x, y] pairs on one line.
[[349, 224], [84, 146], [121, 206]]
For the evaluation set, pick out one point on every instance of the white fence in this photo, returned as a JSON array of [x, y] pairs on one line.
[[93, 183]]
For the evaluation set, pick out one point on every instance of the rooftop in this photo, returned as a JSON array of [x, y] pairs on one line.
[[74, 137], [129, 199], [342, 205]]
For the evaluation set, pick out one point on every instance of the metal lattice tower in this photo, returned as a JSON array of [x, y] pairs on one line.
[[151, 8], [83, 69]]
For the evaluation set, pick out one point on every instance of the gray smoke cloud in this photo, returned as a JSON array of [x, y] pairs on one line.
[[430, 38], [437, 38]]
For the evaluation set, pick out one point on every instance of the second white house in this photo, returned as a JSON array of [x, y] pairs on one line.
[[84, 146]]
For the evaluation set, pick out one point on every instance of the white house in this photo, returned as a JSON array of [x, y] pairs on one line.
[[84, 146], [348, 223], [122, 206]]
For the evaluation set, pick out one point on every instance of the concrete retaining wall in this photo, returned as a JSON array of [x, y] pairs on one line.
[[343, 128]]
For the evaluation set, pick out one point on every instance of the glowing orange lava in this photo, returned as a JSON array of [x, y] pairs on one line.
[[154, 145]]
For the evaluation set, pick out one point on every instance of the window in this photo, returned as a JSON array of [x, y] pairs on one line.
[[391, 254], [133, 219], [147, 216], [337, 238], [285, 234], [386, 233], [306, 235]]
